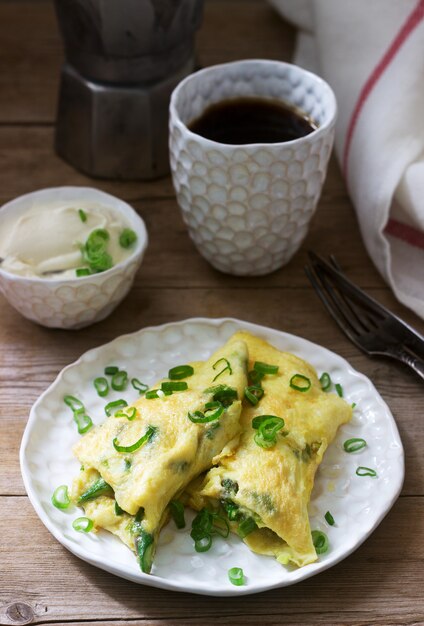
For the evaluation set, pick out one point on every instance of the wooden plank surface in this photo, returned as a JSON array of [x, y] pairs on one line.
[[381, 583]]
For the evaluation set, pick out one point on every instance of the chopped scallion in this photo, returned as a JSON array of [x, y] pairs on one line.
[[82, 271], [148, 435], [366, 471], [127, 238], [227, 367], [325, 381], [246, 527], [60, 498], [83, 215], [130, 413], [264, 368], [110, 370], [177, 385], [83, 421], [320, 541], [102, 386], [119, 380], [339, 390], [113, 406], [253, 394], [299, 382], [213, 411], [139, 386], [329, 519], [354, 445], [180, 371], [82, 524], [236, 576], [73, 403], [99, 488], [118, 510], [177, 511]]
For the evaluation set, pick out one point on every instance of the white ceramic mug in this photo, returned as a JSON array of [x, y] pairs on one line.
[[247, 207]]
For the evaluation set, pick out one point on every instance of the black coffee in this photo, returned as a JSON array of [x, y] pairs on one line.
[[252, 120]]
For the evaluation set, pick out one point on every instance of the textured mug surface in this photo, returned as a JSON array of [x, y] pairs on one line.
[[247, 207]]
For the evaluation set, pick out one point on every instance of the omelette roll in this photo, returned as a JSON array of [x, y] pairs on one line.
[[173, 438], [264, 486]]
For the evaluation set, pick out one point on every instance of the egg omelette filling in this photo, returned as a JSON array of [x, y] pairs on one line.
[[265, 491], [142, 463]]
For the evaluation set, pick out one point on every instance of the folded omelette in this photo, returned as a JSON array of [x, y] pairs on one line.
[[264, 488], [133, 468]]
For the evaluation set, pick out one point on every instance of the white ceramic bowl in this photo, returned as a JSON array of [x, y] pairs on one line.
[[73, 302]]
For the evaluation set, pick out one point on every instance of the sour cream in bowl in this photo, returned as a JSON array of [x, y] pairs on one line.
[[69, 255]]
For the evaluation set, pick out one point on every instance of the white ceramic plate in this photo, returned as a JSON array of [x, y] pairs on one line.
[[357, 504]]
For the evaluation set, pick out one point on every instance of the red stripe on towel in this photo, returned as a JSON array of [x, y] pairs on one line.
[[410, 24], [406, 233]]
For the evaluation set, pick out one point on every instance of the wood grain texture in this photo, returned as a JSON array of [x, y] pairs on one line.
[[356, 591], [381, 583]]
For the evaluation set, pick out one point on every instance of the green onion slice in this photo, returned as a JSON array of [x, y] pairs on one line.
[[73, 403], [203, 544], [354, 445], [127, 238], [260, 419], [231, 509], [156, 393], [180, 371], [325, 381], [60, 498], [223, 394], [150, 432], [119, 380], [246, 527], [365, 471], [83, 421], [145, 547], [339, 390], [139, 386], [227, 367], [112, 407], [118, 510], [267, 427], [99, 488], [130, 413], [110, 370], [177, 511], [253, 394], [329, 519], [82, 271], [236, 576], [102, 386], [264, 368], [83, 524], [83, 215], [177, 385], [320, 541], [213, 411], [300, 382], [255, 377]]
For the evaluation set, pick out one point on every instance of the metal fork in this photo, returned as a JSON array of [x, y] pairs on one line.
[[369, 325]]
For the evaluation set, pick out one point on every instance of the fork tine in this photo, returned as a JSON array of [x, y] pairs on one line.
[[404, 333], [364, 317], [342, 304], [331, 308]]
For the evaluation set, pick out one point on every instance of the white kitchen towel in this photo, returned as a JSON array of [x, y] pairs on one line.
[[372, 54]]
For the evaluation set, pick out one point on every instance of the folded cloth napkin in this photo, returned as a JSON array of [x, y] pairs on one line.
[[372, 54]]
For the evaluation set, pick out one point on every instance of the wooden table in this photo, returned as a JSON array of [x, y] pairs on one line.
[[382, 582]]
